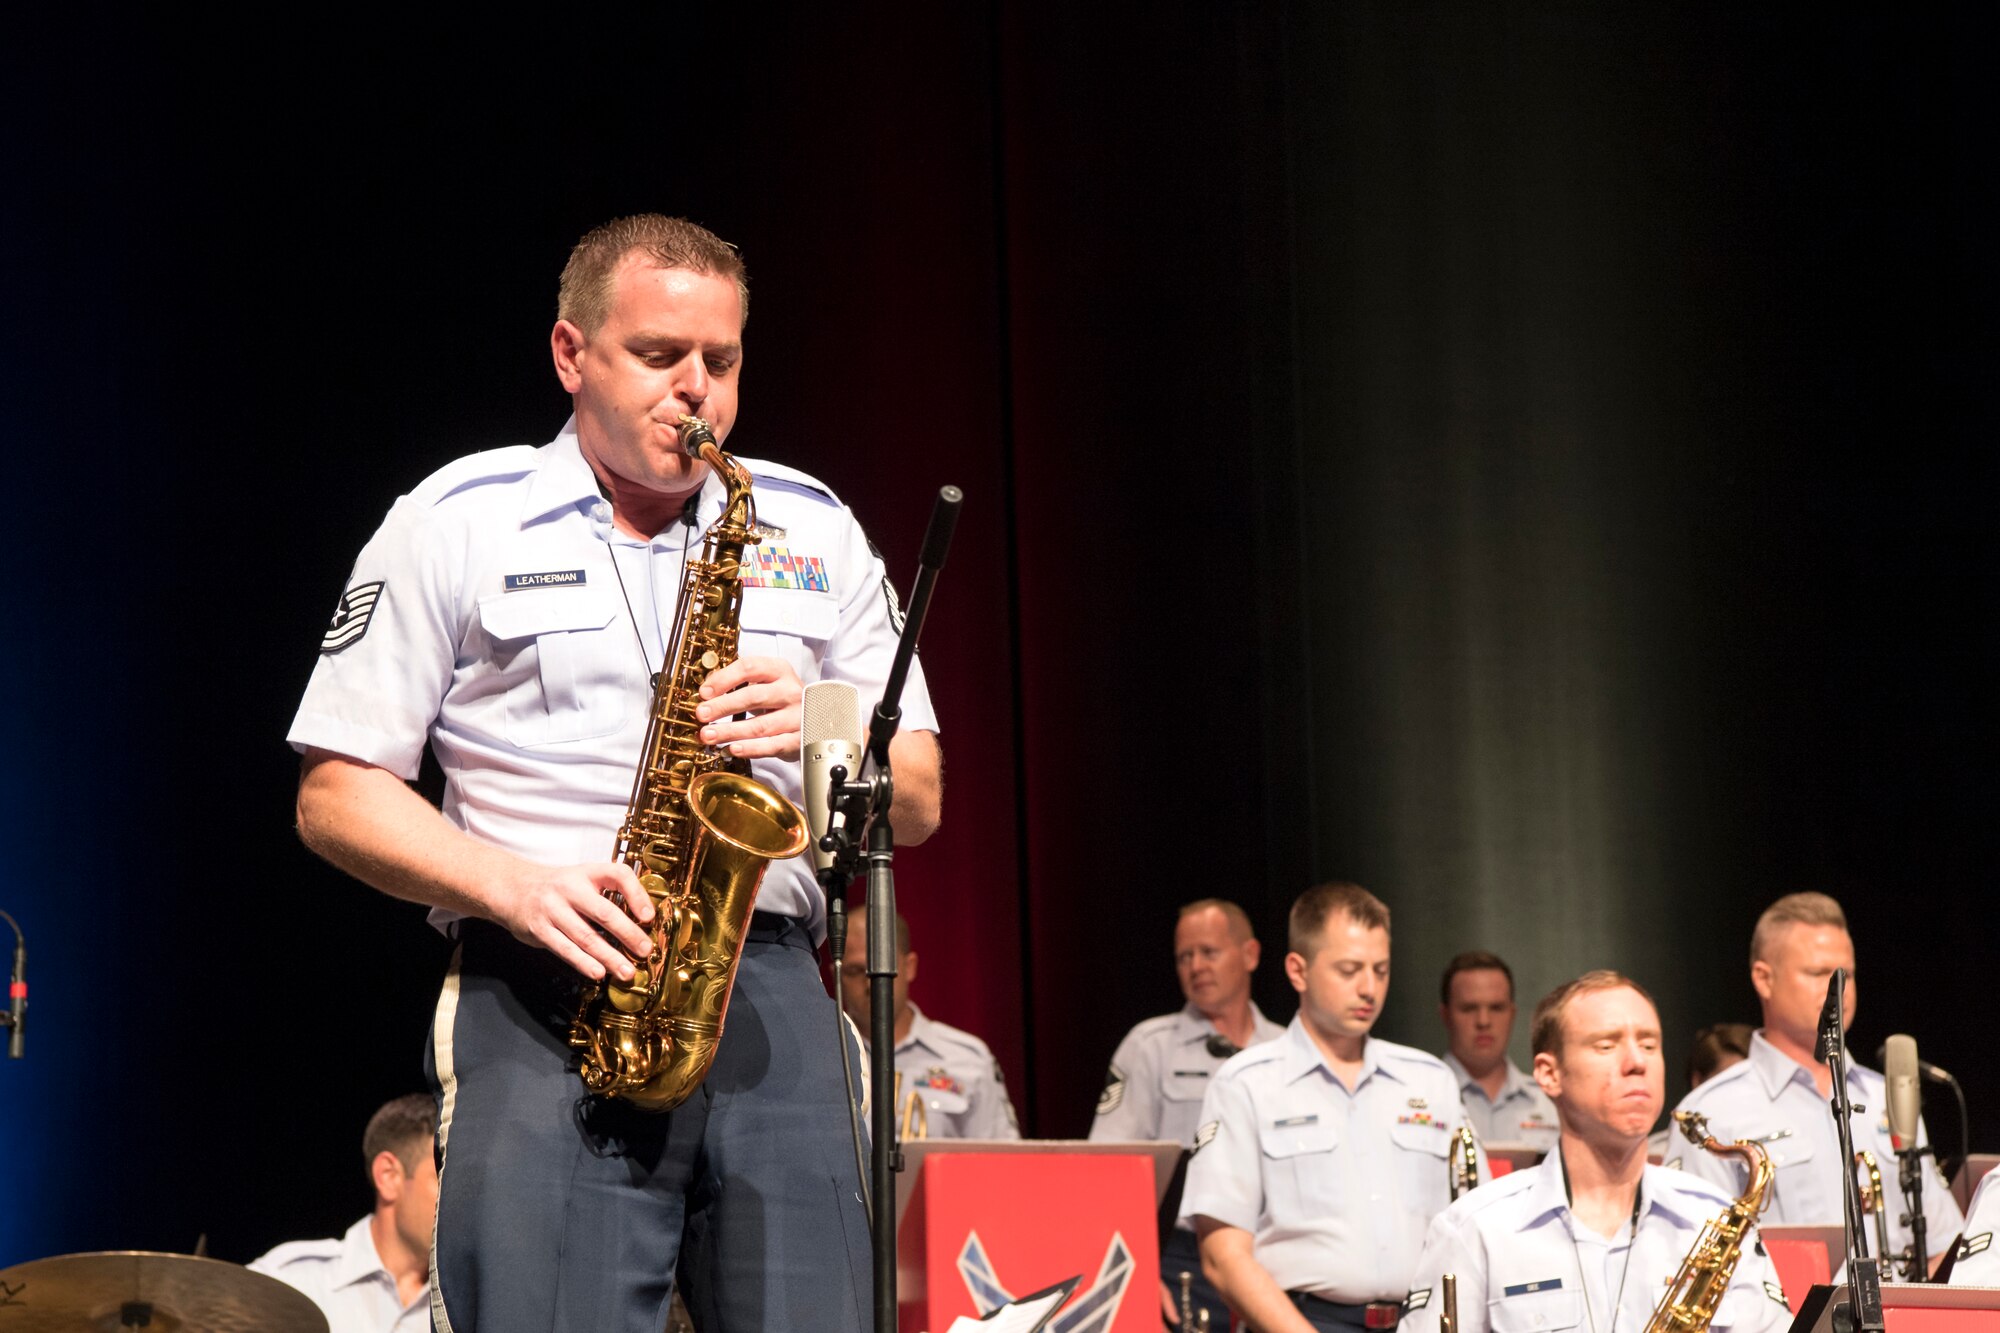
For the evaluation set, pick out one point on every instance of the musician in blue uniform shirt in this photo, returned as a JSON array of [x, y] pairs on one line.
[[1978, 1262], [1778, 1096], [1161, 1070], [510, 613], [1476, 1004], [376, 1277], [948, 1085], [1323, 1155], [1589, 1239]]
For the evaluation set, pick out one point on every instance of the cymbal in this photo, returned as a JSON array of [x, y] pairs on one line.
[[171, 1293]]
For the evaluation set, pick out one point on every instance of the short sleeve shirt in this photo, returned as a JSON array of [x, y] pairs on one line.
[[1335, 1187], [955, 1079], [1772, 1100], [1526, 1265], [1159, 1075], [1522, 1113], [346, 1280], [499, 616], [1978, 1263]]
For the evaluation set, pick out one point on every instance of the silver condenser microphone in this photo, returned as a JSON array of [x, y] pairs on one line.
[[832, 732]]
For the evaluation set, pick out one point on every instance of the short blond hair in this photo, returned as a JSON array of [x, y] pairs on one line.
[[1545, 1030], [1794, 909], [1317, 905], [583, 296], [1239, 920]]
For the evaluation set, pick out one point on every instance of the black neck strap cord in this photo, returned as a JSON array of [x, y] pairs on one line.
[[1631, 1244]]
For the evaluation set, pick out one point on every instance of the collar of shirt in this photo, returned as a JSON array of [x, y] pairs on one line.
[[1549, 1197], [1775, 1070], [1302, 1055], [565, 481], [1516, 1084], [920, 1033], [1191, 1026], [358, 1261]]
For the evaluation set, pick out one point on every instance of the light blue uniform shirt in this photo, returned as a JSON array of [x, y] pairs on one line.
[[1159, 1075], [1526, 1265], [1522, 1113], [485, 617], [957, 1080], [346, 1280], [1772, 1099], [1335, 1187], [1978, 1261]]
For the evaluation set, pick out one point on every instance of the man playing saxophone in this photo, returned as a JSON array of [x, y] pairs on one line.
[[1589, 1239], [511, 611]]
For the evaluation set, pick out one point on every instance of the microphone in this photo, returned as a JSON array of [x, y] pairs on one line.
[[1829, 1016], [17, 993], [832, 734], [1899, 1066], [1935, 1073]]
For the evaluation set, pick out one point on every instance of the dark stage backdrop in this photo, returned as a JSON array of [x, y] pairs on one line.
[[1531, 461]]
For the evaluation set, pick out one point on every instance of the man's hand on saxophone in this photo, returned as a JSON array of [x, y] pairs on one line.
[[767, 690], [365, 820]]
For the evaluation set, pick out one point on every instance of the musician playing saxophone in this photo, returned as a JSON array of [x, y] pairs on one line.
[[511, 611], [1589, 1239]]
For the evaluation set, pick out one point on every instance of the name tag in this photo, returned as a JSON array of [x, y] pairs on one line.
[[1190, 1073], [1295, 1121], [1530, 1288], [553, 578]]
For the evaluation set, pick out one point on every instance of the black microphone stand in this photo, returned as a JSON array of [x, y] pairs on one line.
[[866, 803], [1911, 1163], [1863, 1311]]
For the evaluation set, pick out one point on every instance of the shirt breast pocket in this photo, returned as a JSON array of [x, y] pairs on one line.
[[792, 624], [1421, 1150], [1300, 1178], [564, 684], [1535, 1312], [1183, 1085]]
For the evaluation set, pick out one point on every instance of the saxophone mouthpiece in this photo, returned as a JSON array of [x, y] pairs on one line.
[[694, 434], [1694, 1125]]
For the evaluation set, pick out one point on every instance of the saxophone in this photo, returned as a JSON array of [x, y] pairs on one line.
[[699, 833], [1463, 1167], [1697, 1289]]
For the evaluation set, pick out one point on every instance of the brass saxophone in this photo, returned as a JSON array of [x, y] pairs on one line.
[[699, 833], [1464, 1164], [1697, 1289]]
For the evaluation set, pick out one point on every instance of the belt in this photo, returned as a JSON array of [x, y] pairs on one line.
[[1375, 1314], [771, 928]]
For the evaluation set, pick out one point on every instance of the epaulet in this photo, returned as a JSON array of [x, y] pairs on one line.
[[1411, 1055], [1496, 1191], [1264, 1052], [1148, 1026], [292, 1251], [1687, 1182], [790, 479], [493, 465]]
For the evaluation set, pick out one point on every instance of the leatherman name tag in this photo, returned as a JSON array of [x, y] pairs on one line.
[[1530, 1288], [1291, 1122], [552, 578]]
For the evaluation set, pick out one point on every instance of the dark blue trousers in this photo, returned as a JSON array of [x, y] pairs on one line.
[[562, 1211]]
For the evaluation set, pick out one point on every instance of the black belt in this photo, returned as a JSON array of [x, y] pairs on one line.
[[771, 928], [1375, 1314]]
